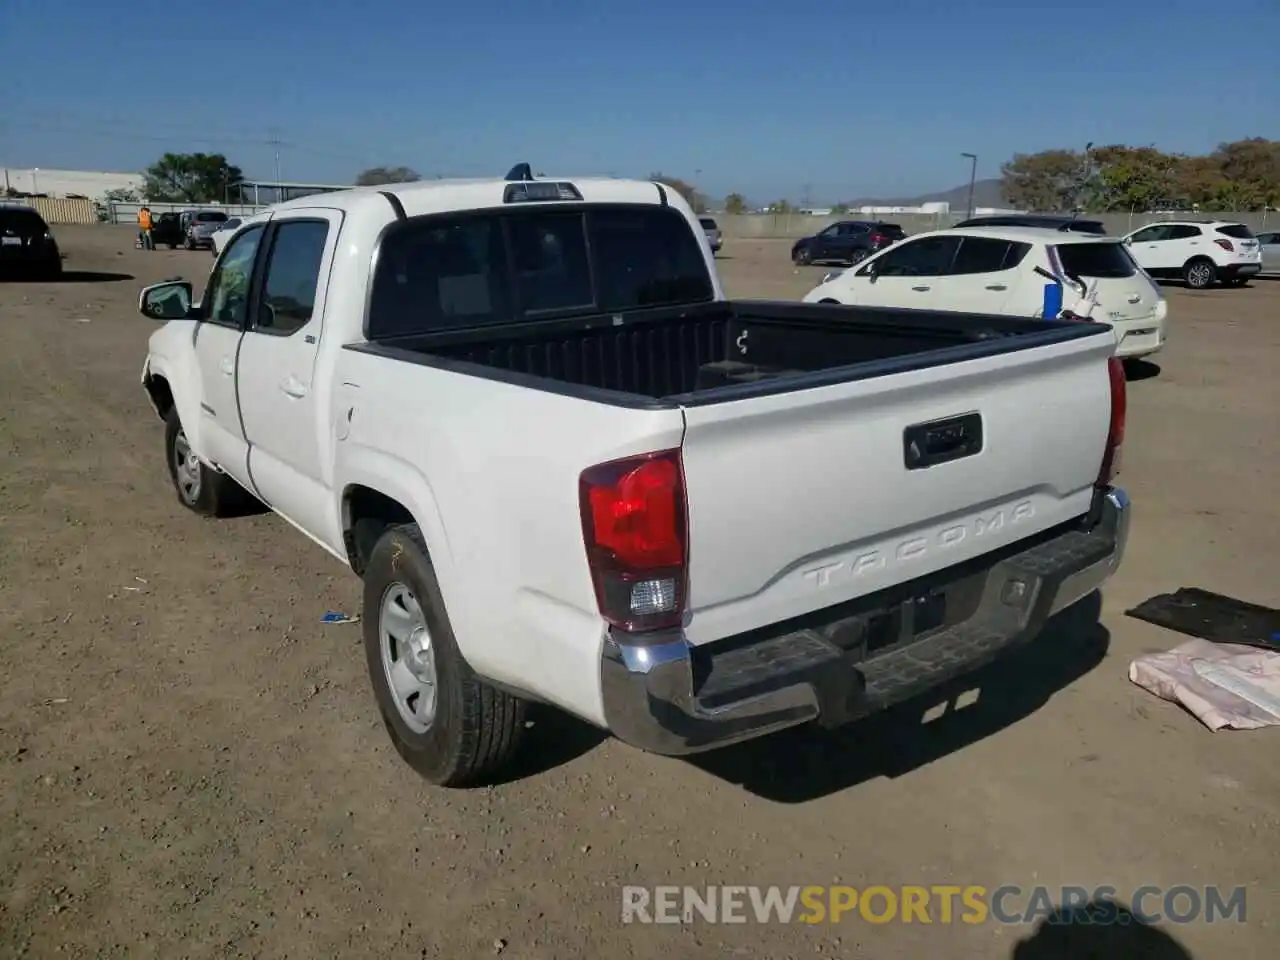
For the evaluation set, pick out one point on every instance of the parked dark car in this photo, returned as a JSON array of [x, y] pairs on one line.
[[167, 229], [27, 248], [1065, 223], [846, 242]]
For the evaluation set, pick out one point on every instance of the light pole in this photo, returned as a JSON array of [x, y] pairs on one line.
[[35, 182], [973, 176]]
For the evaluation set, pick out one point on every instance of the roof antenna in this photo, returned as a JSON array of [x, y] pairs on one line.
[[521, 171]]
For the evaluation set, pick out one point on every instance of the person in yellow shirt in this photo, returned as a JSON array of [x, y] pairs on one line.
[[144, 228]]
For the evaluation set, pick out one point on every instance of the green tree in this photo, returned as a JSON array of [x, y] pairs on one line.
[[190, 178], [840, 208], [376, 175], [1050, 180], [735, 203], [684, 188]]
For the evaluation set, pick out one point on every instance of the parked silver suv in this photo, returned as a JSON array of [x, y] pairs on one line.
[[712, 230]]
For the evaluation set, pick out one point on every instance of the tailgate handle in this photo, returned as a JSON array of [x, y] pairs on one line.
[[941, 441]]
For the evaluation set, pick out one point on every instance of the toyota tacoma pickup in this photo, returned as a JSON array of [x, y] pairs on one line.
[[570, 471]]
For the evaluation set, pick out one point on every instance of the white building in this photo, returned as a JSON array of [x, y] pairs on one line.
[[62, 183]]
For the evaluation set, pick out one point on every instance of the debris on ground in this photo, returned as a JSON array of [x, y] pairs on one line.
[[1223, 684], [333, 616]]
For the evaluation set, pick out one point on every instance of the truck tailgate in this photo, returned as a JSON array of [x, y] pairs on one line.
[[798, 501]]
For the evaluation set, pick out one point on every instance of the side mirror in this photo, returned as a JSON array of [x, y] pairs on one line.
[[871, 270], [1128, 241], [170, 300]]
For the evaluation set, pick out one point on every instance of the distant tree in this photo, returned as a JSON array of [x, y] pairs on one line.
[[840, 208], [376, 175], [190, 178], [1241, 175], [781, 206], [685, 189], [735, 203]]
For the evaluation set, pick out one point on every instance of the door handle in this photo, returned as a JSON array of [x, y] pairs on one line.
[[227, 366], [294, 387], [997, 286], [921, 289]]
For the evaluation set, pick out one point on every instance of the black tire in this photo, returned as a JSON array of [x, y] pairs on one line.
[[1237, 282], [476, 729], [215, 494], [1199, 273], [803, 257], [173, 246], [858, 256]]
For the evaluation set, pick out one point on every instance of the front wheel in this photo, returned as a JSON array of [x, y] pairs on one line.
[[200, 488], [444, 721], [1200, 273]]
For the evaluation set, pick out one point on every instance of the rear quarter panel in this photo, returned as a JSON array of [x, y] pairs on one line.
[[490, 471]]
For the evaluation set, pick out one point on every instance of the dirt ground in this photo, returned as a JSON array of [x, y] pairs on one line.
[[191, 764]]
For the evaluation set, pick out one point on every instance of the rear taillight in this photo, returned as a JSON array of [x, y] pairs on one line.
[[1115, 431], [1224, 244], [878, 238], [634, 528]]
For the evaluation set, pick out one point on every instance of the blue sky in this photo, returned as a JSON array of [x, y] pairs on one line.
[[760, 96]]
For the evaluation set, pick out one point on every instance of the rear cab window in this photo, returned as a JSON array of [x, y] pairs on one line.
[[211, 216], [1237, 231], [462, 271], [1105, 261]]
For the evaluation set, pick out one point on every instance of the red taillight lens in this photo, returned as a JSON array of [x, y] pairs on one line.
[[1115, 432], [633, 525], [877, 238], [1224, 244]]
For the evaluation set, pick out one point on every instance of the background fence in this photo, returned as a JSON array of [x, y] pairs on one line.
[[128, 212], [764, 226], [57, 210]]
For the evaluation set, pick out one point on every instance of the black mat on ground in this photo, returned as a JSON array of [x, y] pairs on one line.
[[1211, 616]]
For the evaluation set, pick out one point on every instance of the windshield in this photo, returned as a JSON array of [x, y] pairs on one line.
[[451, 272], [889, 228], [22, 223], [1105, 261]]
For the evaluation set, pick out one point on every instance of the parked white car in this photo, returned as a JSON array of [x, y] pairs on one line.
[[993, 270], [218, 239], [1198, 252], [570, 471]]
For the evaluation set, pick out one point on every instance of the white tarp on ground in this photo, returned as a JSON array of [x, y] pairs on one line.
[[1222, 684]]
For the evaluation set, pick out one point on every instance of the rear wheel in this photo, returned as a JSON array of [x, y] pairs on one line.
[[802, 257], [444, 721], [1200, 273]]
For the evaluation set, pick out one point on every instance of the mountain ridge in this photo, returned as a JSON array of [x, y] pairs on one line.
[[986, 193]]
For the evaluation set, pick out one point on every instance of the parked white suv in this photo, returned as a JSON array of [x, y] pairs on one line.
[[1200, 252], [993, 270]]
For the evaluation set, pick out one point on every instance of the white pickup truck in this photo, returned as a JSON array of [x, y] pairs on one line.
[[569, 470]]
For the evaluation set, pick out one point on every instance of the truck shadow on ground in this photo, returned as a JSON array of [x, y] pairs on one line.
[[1136, 370], [805, 763], [1075, 933], [552, 739]]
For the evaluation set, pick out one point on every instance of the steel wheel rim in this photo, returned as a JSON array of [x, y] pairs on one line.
[[408, 657], [186, 469], [1200, 274]]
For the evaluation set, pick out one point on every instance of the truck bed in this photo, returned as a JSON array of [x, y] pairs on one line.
[[721, 350]]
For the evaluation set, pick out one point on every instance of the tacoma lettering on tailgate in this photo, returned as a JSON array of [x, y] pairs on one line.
[[917, 547]]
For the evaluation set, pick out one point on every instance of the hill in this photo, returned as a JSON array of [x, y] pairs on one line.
[[986, 193]]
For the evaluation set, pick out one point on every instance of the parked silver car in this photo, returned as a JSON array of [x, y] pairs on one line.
[[1270, 243], [712, 230], [198, 227]]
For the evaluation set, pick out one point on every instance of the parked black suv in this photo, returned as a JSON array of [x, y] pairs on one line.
[[167, 229], [846, 242], [1064, 223], [27, 248]]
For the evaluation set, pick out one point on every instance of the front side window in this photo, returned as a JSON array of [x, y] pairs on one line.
[[925, 257], [226, 298]]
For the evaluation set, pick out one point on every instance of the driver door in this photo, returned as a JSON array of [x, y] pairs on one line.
[[224, 313], [908, 274]]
